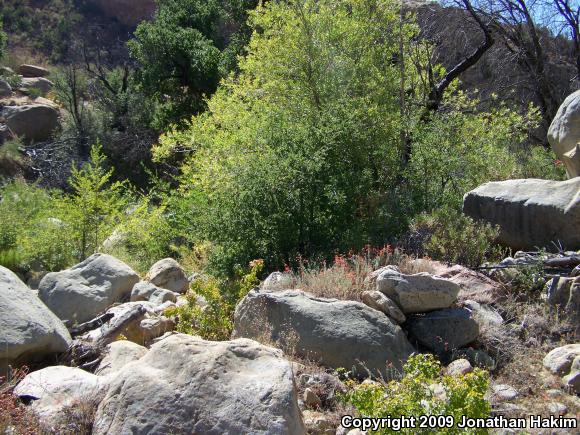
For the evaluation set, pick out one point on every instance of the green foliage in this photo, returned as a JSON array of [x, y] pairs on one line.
[[215, 320], [453, 237], [180, 54], [3, 40], [414, 395], [95, 206]]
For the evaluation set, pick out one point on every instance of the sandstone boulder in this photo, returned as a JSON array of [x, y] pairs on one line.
[[379, 301], [444, 330], [185, 384], [54, 389], [417, 293], [531, 213], [28, 329], [32, 122], [32, 71], [336, 333], [168, 274], [117, 355], [564, 134], [82, 292]]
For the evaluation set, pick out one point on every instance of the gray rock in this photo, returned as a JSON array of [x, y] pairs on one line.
[[58, 388], [168, 274], [82, 292], [530, 213], [559, 360], [146, 291], [311, 400], [417, 293], [277, 281], [154, 327], [185, 384], [28, 329], [42, 85], [459, 367], [502, 393], [444, 330], [335, 333], [564, 134], [380, 302], [32, 71], [117, 355], [5, 89], [33, 122], [565, 293]]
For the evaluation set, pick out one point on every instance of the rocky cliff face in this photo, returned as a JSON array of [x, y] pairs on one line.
[[128, 12]]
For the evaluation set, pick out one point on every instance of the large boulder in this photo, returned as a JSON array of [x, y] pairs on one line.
[[416, 293], [28, 329], [5, 89], [564, 134], [146, 291], [444, 331], [118, 354], [32, 71], [54, 390], [168, 274], [127, 12], [473, 285], [531, 213], [33, 122], [185, 384], [559, 360], [40, 84], [82, 292], [336, 333], [379, 301]]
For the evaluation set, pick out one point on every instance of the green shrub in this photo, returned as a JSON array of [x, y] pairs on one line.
[[416, 394], [453, 237], [214, 321]]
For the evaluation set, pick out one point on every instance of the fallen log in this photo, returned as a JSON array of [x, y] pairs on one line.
[[91, 324]]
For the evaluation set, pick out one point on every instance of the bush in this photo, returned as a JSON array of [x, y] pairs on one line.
[[416, 395], [214, 321], [450, 236]]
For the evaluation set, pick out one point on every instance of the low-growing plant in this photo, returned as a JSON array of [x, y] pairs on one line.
[[453, 237], [210, 304], [423, 391]]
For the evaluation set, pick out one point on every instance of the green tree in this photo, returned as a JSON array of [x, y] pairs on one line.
[[184, 51], [95, 206]]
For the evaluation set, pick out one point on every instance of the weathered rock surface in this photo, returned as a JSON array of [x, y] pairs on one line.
[[146, 291], [572, 380], [531, 213], [565, 293], [185, 384], [32, 71], [117, 355], [564, 134], [444, 330], [82, 292], [277, 281], [484, 314], [60, 387], [5, 89], [335, 333], [42, 85], [28, 329], [33, 122], [417, 293], [459, 367], [378, 301], [559, 360], [473, 285], [168, 274], [128, 12]]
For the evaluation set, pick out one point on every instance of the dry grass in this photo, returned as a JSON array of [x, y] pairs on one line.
[[15, 417]]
